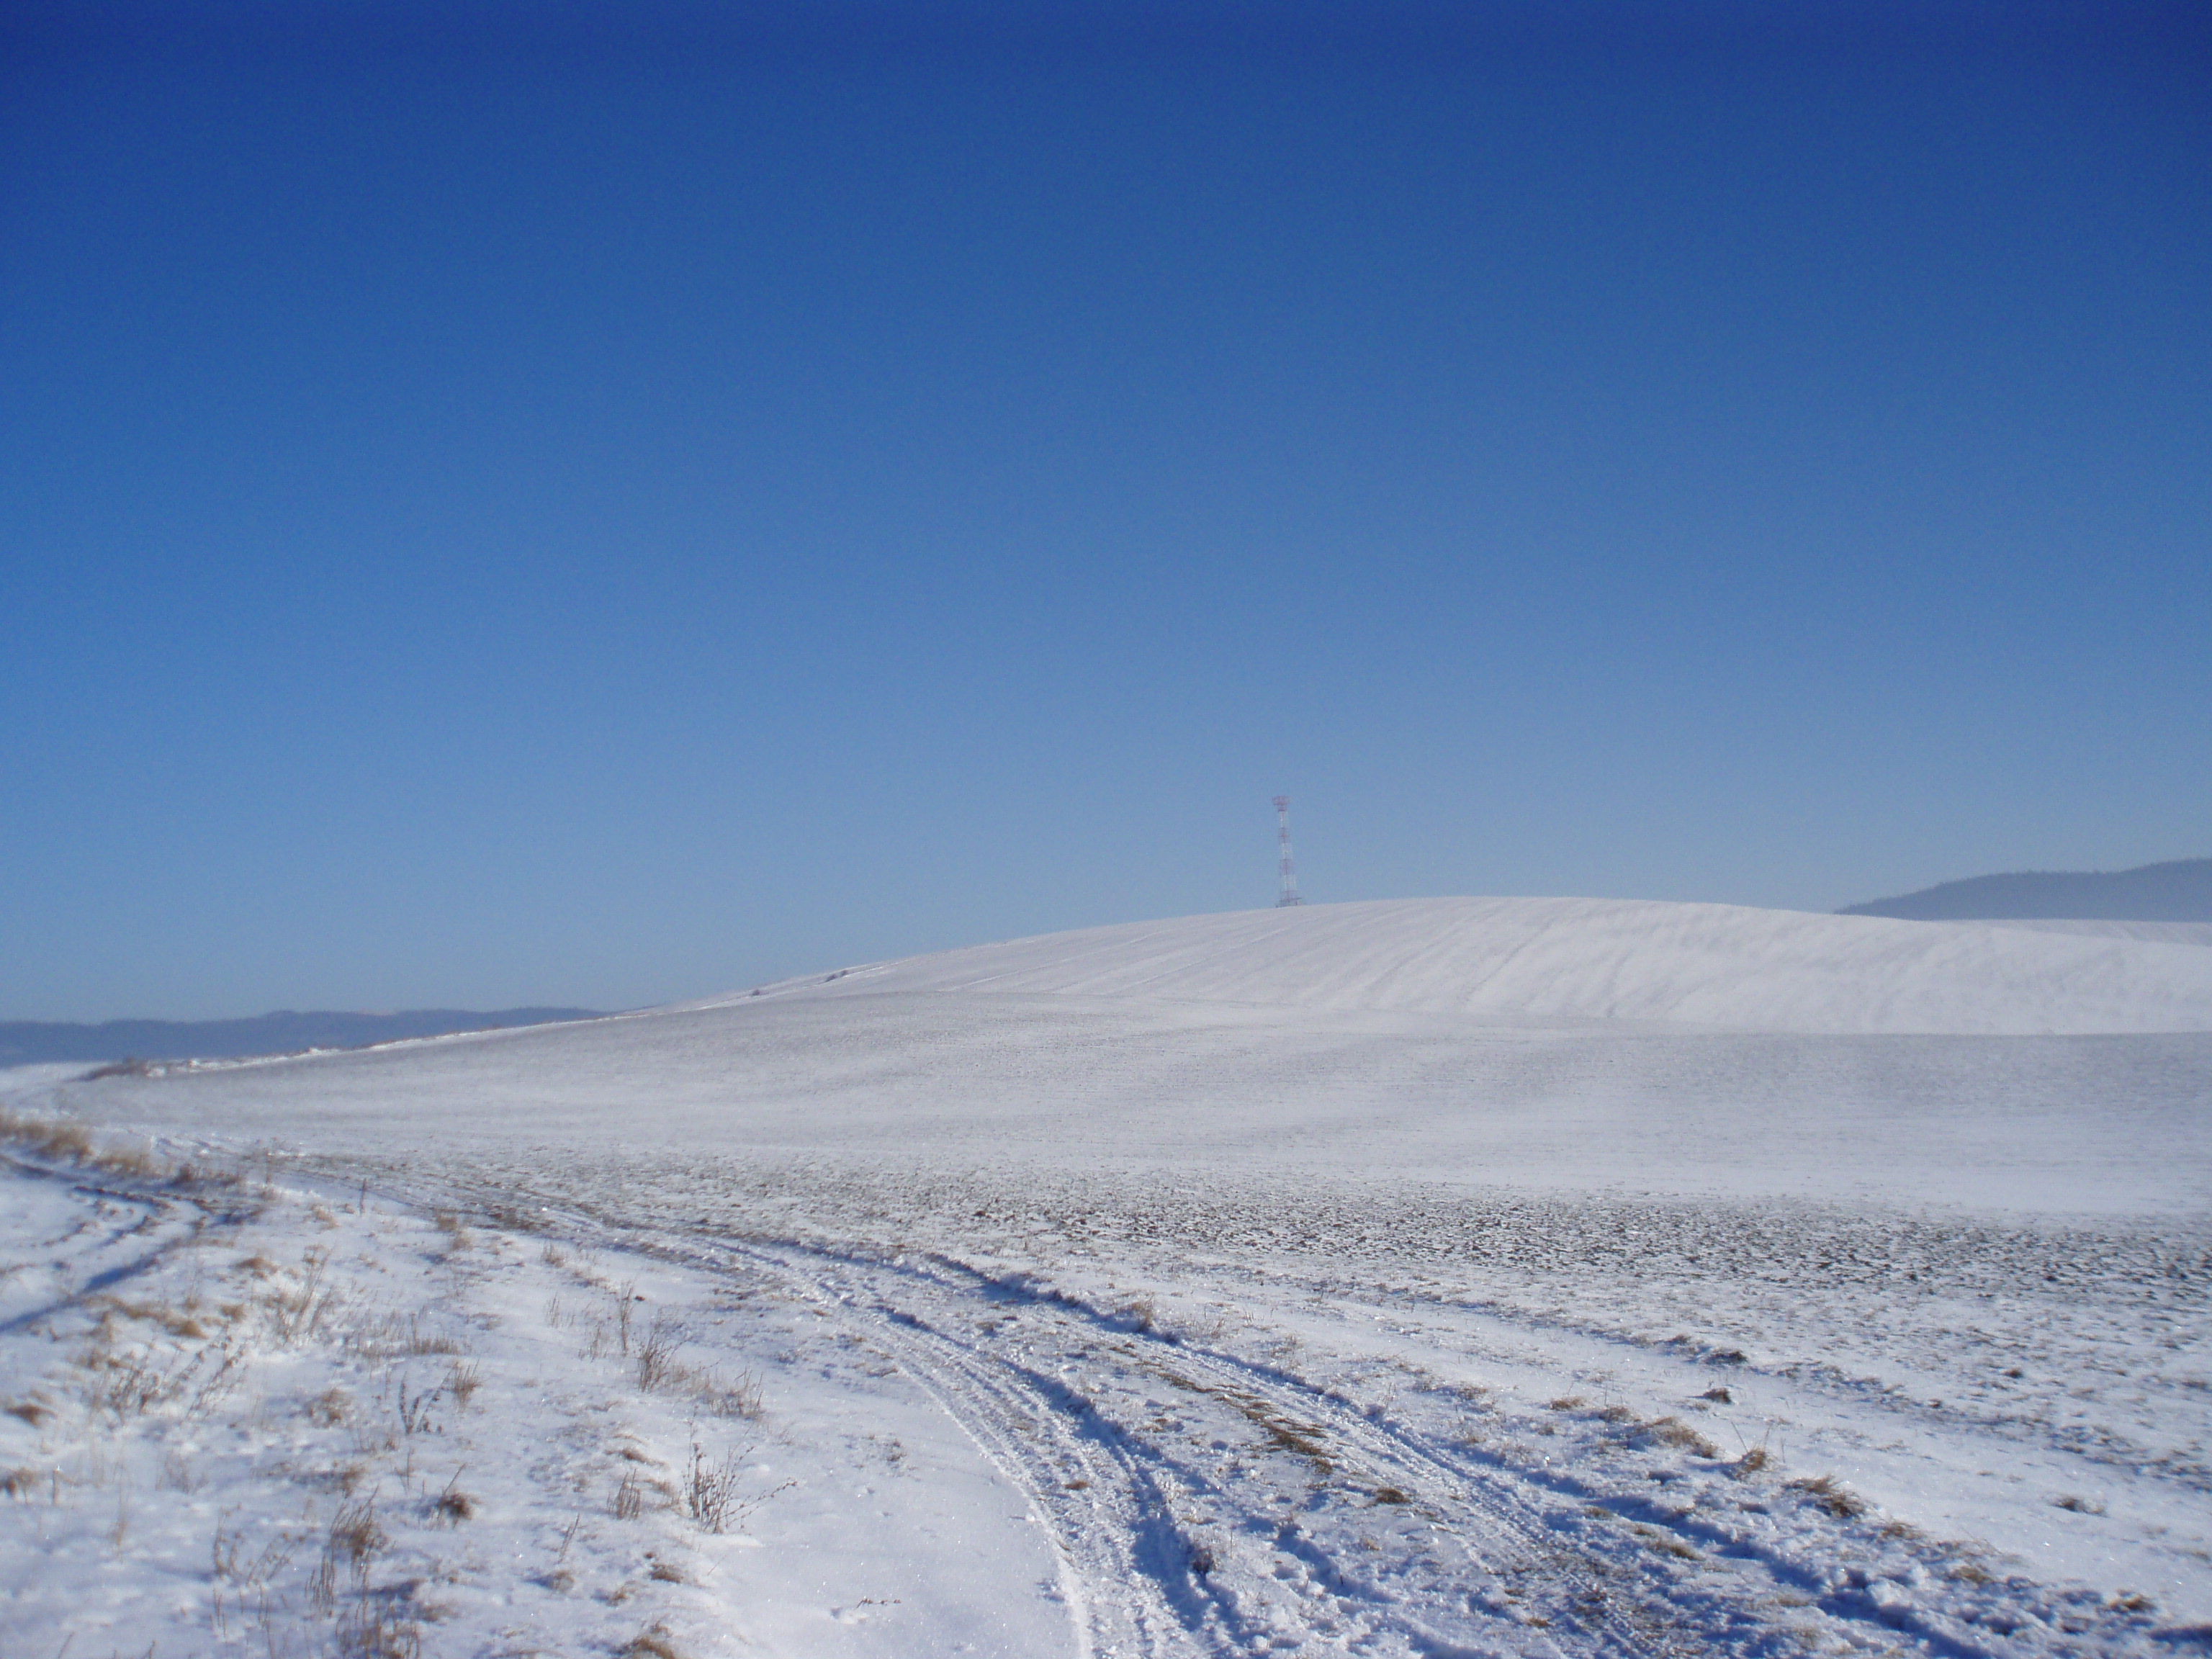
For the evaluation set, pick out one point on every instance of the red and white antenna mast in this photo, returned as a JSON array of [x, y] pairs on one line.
[[1283, 836]]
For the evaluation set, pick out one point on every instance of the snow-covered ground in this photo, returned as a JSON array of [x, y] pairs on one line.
[[1456, 1277], [2164, 932]]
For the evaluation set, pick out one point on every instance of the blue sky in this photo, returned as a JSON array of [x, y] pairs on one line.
[[516, 504]]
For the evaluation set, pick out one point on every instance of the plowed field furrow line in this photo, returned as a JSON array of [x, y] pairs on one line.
[[1594, 1603], [1597, 1608], [1662, 1617], [1058, 1404]]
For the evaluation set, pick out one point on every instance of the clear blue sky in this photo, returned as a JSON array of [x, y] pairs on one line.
[[508, 504]]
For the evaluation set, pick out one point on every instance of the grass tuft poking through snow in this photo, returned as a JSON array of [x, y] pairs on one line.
[[254, 1436]]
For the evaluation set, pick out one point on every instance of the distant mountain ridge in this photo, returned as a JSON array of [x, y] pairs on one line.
[[29, 1042], [2178, 891]]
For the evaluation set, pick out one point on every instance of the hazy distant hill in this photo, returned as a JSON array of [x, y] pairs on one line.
[[25, 1042], [2179, 891]]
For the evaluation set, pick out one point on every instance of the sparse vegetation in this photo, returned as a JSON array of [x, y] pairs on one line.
[[453, 1505], [1673, 1432], [66, 1142], [656, 1353], [332, 1407], [629, 1496], [1836, 1499], [462, 1382]]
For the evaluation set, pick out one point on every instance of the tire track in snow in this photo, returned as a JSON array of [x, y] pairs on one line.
[[1108, 1489], [1135, 1541], [1128, 1568], [168, 1218], [1507, 1519]]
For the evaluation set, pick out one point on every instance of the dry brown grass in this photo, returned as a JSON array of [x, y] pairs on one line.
[[355, 1534], [656, 1354], [354, 1538], [177, 1473], [332, 1407], [1753, 1462], [72, 1143], [393, 1338], [1836, 1499], [629, 1496], [453, 1505], [462, 1382], [126, 1385], [1665, 1543], [370, 1629], [659, 1370], [710, 1490], [304, 1308], [1567, 1402], [177, 1324], [1674, 1431], [651, 1642]]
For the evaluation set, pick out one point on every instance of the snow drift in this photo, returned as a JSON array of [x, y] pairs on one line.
[[1501, 960]]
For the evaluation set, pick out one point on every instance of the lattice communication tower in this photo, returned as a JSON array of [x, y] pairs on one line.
[[1283, 837]]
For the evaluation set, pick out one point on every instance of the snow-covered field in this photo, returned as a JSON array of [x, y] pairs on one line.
[[1441, 1278]]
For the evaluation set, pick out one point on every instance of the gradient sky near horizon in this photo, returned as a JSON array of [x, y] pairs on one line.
[[581, 504]]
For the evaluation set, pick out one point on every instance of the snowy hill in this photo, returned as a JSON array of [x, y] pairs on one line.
[[1557, 1042], [2154, 933], [1506, 959], [1138, 1289]]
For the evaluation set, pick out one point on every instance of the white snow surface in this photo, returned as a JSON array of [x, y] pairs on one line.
[[1471, 1276], [1714, 965], [2156, 933]]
